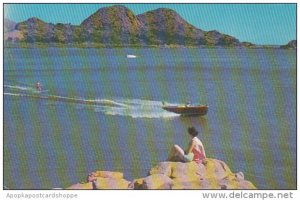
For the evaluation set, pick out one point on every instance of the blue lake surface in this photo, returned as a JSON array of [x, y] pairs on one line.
[[49, 143]]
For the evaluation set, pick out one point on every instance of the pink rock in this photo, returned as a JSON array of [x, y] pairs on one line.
[[79, 186], [157, 181], [111, 183]]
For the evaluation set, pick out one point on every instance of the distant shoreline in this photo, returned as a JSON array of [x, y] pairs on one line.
[[98, 45]]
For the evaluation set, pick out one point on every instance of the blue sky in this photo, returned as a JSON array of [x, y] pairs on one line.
[[256, 23]]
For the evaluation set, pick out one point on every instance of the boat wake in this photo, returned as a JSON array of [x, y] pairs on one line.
[[135, 108], [23, 89], [16, 87]]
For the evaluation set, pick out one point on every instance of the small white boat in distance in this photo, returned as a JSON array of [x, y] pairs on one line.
[[131, 56]]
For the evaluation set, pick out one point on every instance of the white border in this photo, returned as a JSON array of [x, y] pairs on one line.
[[144, 195]]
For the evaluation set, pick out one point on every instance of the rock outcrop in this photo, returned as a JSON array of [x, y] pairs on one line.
[[8, 25], [210, 174], [101, 180], [291, 45]]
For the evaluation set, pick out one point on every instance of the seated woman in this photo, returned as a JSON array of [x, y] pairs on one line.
[[195, 151]]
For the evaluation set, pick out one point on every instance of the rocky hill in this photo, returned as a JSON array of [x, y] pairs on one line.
[[10, 33], [165, 26], [117, 25], [112, 25], [9, 25], [291, 45]]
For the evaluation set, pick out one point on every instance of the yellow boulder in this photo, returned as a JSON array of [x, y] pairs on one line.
[[79, 186], [157, 182], [108, 174], [216, 169], [111, 183], [162, 168]]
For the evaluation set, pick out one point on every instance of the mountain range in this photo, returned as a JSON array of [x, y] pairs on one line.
[[119, 26]]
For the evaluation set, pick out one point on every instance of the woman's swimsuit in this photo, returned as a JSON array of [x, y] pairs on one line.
[[198, 155]]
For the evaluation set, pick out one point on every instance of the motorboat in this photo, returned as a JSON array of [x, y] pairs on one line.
[[187, 109], [131, 56]]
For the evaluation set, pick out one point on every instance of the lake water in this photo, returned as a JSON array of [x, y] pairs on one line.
[[251, 122]]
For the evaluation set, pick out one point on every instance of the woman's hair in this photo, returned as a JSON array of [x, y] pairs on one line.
[[192, 131]]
